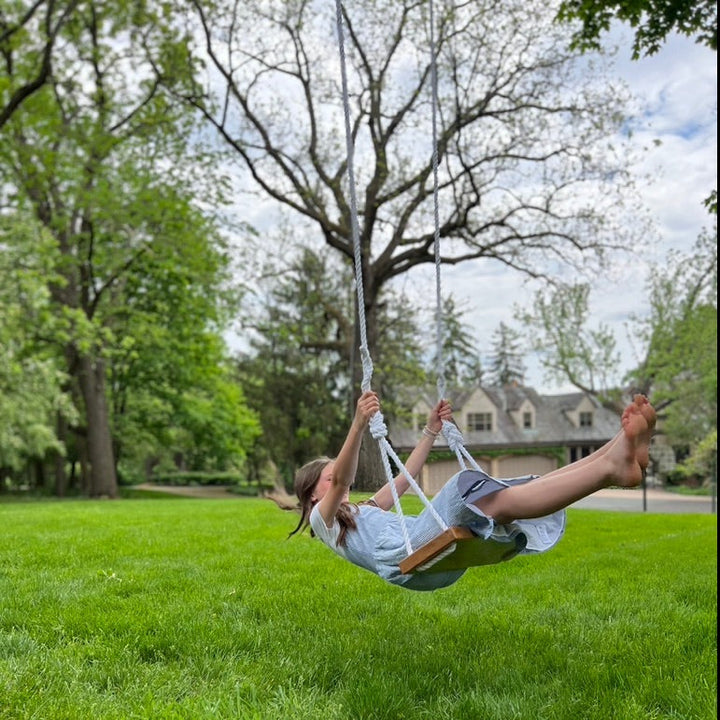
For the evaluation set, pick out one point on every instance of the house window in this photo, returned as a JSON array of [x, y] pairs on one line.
[[479, 421], [586, 419], [527, 420], [578, 453]]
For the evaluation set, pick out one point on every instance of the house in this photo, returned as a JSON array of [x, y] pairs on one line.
[[511, 431]]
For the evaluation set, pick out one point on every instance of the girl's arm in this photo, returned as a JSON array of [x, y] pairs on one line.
[[345, 465], [383, 498]]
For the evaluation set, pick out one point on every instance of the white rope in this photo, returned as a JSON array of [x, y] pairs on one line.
[[365, 358], [378, 428], [439, 333], [434, 561]]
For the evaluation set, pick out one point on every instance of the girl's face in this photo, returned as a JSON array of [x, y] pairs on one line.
[[324, 482]]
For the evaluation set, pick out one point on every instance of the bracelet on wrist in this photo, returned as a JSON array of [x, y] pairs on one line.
[[429, 433]]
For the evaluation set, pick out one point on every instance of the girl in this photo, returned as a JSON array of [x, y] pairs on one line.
[[527, 514]]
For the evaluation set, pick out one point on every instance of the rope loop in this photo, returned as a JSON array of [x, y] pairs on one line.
[[378, 428], [453, 436]]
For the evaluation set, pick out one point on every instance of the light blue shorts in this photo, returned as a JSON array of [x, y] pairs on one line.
[[454, 504]]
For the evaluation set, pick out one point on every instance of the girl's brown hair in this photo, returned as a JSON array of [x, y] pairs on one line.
[[306, 479]]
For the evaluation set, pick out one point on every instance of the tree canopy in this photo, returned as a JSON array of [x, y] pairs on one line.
[[530, 174], [108, 166], [653, 21], [680, 366], [32, 380]]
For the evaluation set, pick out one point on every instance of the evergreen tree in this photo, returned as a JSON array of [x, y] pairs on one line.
[[506, 360], [461, 364], [298, 370]]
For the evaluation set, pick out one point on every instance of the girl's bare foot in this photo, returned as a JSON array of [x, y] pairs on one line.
[[630, 454], [647, 410]]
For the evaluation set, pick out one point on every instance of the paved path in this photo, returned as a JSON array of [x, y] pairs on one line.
[[651, 500], [654, 500], [197, 491]]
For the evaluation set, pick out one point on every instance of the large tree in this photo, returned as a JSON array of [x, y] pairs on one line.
[[174, 399], [529, 173], [569, 350], [680, 334], [100, 155], [32, 380]]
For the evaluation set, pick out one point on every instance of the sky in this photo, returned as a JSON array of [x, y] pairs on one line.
[[677, 89], [677, 126]]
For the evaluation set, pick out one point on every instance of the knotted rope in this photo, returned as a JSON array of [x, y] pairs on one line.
[[451, 432], [377, 426], [378, 429]]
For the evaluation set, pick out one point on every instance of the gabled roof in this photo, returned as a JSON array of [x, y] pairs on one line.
[[552, 425], [511, 397]]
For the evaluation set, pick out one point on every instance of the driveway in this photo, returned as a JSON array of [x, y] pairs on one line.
[[631, 500], [651, 500], [212, 492]]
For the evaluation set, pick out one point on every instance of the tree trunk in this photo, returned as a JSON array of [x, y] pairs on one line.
[[371, 473], [103, 479], [61, 480], [39, 475]]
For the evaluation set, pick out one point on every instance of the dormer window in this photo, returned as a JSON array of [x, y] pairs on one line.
[[527, 420], [586, 419], [479, 421]]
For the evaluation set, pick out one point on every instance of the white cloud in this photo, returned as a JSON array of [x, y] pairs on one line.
[[677, 93]]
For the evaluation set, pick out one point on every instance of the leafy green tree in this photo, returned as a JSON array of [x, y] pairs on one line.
[[174, 399], [28, 34], [701, 463], [460, 356], [680, 365], [32, 381], [653, 21], [296, 372], [506, 362], [678, 338], [100, 154], [556, 327]]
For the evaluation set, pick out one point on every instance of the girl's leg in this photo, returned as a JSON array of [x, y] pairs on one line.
[[621, 462], [640, 403]]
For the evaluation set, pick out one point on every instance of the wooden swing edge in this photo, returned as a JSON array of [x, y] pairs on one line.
[[433, 548]]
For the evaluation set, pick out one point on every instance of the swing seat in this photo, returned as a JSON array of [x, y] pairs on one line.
[[458, 548]]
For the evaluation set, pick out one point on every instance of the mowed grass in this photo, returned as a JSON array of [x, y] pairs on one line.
[[178, 608]]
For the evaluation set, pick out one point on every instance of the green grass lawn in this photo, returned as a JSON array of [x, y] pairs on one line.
[[179, 608]]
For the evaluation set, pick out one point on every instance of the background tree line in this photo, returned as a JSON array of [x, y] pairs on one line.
[[120, 125]]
